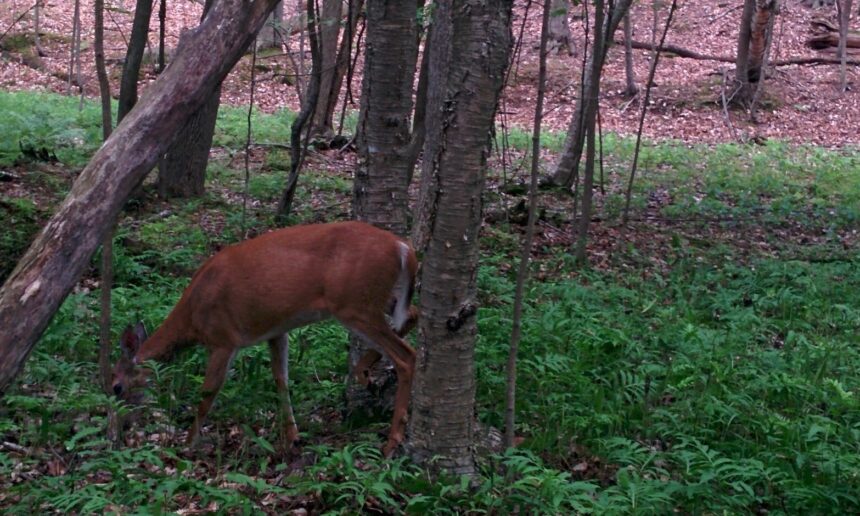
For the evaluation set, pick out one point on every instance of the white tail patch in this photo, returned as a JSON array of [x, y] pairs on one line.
[[401, 291]]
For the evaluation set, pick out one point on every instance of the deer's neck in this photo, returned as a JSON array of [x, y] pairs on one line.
[[173, 333]]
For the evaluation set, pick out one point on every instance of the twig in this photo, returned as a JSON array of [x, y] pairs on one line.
[[248, 138], [522, 272], [648, 84], [17, 448], [19, 18]]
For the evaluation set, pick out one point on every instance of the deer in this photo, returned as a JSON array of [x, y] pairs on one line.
[[259, 289]]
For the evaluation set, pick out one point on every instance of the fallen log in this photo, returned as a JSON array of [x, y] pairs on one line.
[[689, 54]]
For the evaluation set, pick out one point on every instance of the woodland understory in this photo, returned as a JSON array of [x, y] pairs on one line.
[[704, 360]]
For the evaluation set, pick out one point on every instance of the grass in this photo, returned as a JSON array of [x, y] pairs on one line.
[[724, 381]]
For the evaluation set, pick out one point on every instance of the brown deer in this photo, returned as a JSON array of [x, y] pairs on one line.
[[261, 288]]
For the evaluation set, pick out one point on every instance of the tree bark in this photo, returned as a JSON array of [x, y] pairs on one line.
[[380, 189], [567, 167], [844, 19], [62, 250], [471, 46], [743, 52], [162, 21], [182, 170], [559, 28], [134, 58], [329, 31], [762, 20], [270, 35], [631, 89]]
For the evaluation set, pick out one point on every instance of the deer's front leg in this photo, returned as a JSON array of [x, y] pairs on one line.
[[216, 372]]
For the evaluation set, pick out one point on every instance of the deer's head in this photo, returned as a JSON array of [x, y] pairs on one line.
[[128, 378]]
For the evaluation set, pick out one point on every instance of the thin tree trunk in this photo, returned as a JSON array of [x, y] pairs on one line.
[[844, 19], [74, 54], [522, 271], [37, 28], [134, 58], [62, 250], [419, 129], [106, 272], [765, 10], [329, 33], [760, 43], [297, 149], [651, 72], [589, 120], [567, 168], [162, 20], [344, 54], [470, 52], [629, 73]]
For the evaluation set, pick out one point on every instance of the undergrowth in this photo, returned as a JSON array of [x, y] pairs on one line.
[[718, 383]]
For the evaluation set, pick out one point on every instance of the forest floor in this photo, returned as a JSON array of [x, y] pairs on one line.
[[801, 103]]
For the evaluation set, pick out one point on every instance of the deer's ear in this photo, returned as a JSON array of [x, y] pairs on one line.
[[140, 332], [132, 338]]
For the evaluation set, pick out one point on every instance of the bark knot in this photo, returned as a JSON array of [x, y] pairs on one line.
[[456, 322]]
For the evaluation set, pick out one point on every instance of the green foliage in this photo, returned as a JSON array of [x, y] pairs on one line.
[[21, 217], [725, 382], [231, 130], [50, 122]]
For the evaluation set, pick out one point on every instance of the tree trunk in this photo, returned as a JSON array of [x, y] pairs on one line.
[[380, 189], [106, 272], [182, 170], [61, 251], [525, 255], [844, 19], [162, 21], [631, 89], [285, 205], [560, 39], [329, 30], [743, 55], [101, 71], [419, 129], [567, 167], [344, 54], [762, 20], [270, 35], [589, 119], [470, 51], [134, 58]]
